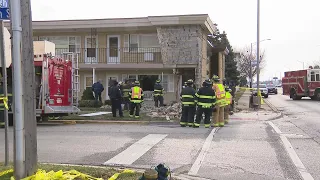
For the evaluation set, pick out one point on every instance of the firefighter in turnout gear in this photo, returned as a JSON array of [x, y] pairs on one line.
[[136, 98], [228, 105], [184, 85], [158, 94], [188, 104], [206, 100], [218, 116], [125, 94]]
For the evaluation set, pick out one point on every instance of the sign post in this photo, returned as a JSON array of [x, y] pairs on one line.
[[4, 15]]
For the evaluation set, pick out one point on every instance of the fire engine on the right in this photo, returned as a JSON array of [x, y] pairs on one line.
[[302, 83]]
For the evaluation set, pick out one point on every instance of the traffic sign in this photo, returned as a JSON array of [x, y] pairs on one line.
[[4, 10]]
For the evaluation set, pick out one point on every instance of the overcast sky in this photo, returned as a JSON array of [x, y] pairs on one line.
[[292, 25]]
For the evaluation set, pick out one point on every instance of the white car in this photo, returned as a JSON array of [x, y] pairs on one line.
[[263, 88]]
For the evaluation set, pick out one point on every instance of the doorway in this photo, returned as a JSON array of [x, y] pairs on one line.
[[113, 50], [109, 83]]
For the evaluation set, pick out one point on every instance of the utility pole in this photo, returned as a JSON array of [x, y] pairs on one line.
[[5, 92], [250, 75], [29, 88], [258, 53], [18, 100]]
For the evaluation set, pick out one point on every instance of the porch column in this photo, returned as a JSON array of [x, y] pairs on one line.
[[94, 75]]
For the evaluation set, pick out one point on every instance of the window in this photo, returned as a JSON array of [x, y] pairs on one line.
[[141, 43], [168, 83], [313, 78], [88, 82], [64, 43], [130, 77]]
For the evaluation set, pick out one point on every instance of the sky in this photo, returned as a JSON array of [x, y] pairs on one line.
[[292, 25]]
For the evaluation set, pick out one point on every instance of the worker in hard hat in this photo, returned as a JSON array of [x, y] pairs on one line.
[[158, 93], [188, 100], [136, 98], [218, 116], [206, 99], [228, 100]]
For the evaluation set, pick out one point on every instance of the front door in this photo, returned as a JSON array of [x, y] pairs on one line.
[[110, 80], [91, 50], [113, 50]]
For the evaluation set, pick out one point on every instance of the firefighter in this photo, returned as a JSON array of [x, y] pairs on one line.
[[205, 99], [125, 94], [188, 104], [228, 105], [136, 98], [158, 94], [115, 97], [218, 116], [184, 85]]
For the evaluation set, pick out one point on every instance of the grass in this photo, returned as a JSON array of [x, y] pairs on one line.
[[97, 172], [238, 94]]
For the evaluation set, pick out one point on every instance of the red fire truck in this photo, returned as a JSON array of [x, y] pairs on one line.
[[56, 91], [302, 83]]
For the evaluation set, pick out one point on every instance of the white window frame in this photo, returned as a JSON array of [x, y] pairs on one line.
[[85, 81], [68, 37], [170, 86], [126, 42]]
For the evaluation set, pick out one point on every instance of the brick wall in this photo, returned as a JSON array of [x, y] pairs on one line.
[[184, 45]]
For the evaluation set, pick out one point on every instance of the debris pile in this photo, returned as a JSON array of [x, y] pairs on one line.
[[105, 106], [171, 111]]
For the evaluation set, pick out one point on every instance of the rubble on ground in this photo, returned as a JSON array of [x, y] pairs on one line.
[[105, 106], [170, 111]]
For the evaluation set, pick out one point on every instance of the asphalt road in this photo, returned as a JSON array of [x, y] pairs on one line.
[[244, 149]]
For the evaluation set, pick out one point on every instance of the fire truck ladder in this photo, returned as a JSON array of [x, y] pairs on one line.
[[75, 78]]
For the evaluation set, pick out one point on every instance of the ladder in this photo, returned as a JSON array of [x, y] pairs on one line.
[[75, 77]]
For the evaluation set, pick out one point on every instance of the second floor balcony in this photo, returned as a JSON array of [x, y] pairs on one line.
[[139, 55]]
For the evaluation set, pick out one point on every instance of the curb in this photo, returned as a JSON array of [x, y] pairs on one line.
[[274, 109], [105, 122]]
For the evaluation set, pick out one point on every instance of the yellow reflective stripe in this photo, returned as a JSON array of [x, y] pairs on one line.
[[187, 96], [207, 125], [196, 124], [188, 103], [157, 90], [197, 95], [5, 100], [136, 101], [183, 123], [207, 97]]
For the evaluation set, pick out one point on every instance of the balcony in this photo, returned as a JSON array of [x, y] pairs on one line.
[[114, 55]]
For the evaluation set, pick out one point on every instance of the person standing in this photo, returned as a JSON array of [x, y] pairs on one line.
[[188, 104], [158, 94], [228, 105], [218, 117], [125, 94], [115, 97], [206, 99], [97, 88], [136, 98]]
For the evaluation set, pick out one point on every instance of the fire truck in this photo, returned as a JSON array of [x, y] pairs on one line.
[[302, 83], [57, 84]]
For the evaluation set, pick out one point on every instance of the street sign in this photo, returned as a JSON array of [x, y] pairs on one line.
[[4, 10]]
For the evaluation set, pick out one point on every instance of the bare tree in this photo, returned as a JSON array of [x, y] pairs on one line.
[[244, 62]]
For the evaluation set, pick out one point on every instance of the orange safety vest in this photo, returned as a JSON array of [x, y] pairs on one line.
[[219, 90], [136, 93]]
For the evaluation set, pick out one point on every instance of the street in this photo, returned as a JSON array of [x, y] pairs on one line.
[[244, 149]]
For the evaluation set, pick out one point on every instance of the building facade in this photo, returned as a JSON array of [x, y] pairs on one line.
[[171, 48]]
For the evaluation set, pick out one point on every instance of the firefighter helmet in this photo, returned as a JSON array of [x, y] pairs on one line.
[[189, 82], [215, 78], [207, 82], [158, 81], [136, 83]]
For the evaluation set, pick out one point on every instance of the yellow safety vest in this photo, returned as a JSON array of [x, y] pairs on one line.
[[136, 94], [228, 98]]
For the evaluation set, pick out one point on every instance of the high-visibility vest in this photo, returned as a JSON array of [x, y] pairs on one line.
[[136, 94], [219, 90], [228, 98]]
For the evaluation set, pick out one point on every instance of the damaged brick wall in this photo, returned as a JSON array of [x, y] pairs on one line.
[[184, 45]]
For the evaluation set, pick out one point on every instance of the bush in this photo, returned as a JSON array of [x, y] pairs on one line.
[[107, 102], [89, 103], [87, 94]]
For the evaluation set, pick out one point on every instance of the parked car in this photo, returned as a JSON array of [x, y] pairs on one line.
[[263, 88], [272, 89]]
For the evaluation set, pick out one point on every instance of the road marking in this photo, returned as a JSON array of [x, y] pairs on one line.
[[136, 150], [293, 155], [197, 163]]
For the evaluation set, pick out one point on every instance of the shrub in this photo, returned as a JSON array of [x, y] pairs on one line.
[[89, 103], [87, 94]]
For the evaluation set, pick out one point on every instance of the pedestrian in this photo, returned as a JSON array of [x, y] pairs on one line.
[[97, 89], [126, 88], [228, 105], [115, 97], [158, 94], [188, 100], [136, 98], [206, 100], [218, 115]]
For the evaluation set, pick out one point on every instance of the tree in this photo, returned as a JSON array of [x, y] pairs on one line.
[[231, 71], [244, 62]]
